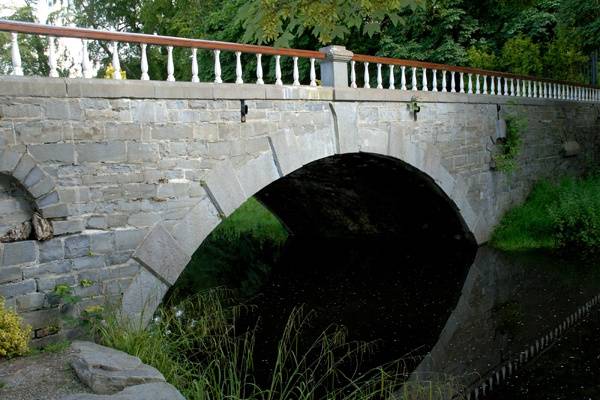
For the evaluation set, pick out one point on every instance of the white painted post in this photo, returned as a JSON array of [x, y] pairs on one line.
[[462, 83], [518, 84], [535, 89], [485, 84], [353, 74], [195, 65], [115, 61], [424, 83], [313, 73], [512, 86], [470, 83], [295, 72], [505, 86], [366, 76], [278, 80], [477, 87], [403, 77], [452, 83], [217, 54], [379, 77], [16, 56], [259, 70], [392, 83], [52, 57], [239, 72], [434, 89], [444, 84], [529, 89], [86, 69], [144, 64], [170, 67], [492, 86], [414, 79]]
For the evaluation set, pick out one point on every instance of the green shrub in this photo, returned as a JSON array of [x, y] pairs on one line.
[[14, 337], [562, 216], [521, 55], [482, 58], [510, 147]]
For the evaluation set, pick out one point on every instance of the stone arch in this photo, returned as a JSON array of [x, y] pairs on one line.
[[166, 250]]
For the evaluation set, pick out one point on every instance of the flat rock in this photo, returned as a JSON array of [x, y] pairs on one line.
[[147, 391], [107, 370], [41, 227]]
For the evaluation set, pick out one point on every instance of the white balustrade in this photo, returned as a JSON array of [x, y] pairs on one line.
[[217, 54], [239, 72], [86, 68], [462, 83], [115, 61], [313, 73], [366, 76], [353, 74], [403, 77], [195, 65], [295, 73], [52, 57], [444, 85], [470, 83], [518, 87], [452, 82], [505, 87], [477, 88], [424, 83], [512, 86], [392, 83], [485, 85], [16, 56], [492, 85], [414, 79], [170, 67], [379, 77], [259, 70], [144, 63], [434, 83]]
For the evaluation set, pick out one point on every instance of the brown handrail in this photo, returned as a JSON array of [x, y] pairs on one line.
[[467, 70], [82, 33]]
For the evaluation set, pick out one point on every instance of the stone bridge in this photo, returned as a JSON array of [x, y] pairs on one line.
[[133, 175]]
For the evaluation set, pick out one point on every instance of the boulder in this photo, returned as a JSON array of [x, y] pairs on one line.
[[147, 391], [19, 232], [108, 371], [41, 227]]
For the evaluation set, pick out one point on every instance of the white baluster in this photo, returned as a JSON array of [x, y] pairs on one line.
[[239, 72], [392, 83], [366, 75], [435, 89], [353, 74], [86, 68], [115, 61], [414, 79], [529, 89], [444, 83], [477, 84], [518, 84], [295, 73], [379, 77], [499, 86], [424, 80], [144, 63], [259, 70], [485, 87], [512, 86], [403, 77], [195, 65], [217, 54], [492, 85], [16, 56], [462, 82], [170, 67], [470, 81], [278, 80], [536, 92], [452, 83], [313, 73], [52, 58]]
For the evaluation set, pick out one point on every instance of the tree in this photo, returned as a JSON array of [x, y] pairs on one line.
[[521, 56], [581, 19]]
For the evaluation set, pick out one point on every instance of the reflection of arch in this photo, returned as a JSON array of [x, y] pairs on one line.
[[38, 184], [166, 250]]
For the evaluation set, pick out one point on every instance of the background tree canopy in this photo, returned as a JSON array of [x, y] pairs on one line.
[[550, 38]]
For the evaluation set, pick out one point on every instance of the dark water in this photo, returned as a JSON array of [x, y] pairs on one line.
[[457, 321]]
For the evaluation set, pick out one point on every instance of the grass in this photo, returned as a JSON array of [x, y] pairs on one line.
[[204, 355], [238, 254], [561, 216]]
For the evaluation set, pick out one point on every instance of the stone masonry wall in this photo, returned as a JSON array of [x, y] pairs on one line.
[[134, 175]]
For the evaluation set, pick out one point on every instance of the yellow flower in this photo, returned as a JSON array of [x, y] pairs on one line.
[[14, 337]]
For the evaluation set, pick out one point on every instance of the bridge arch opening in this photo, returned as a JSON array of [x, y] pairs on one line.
[[374, 244]]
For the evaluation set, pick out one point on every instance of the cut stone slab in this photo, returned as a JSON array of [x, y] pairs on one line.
[[147, 391], [107, 371]]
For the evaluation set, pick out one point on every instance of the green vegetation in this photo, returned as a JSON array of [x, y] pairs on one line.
[[562, 216], [14, 336], [239, 253], [510, 147], [205, 356]]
